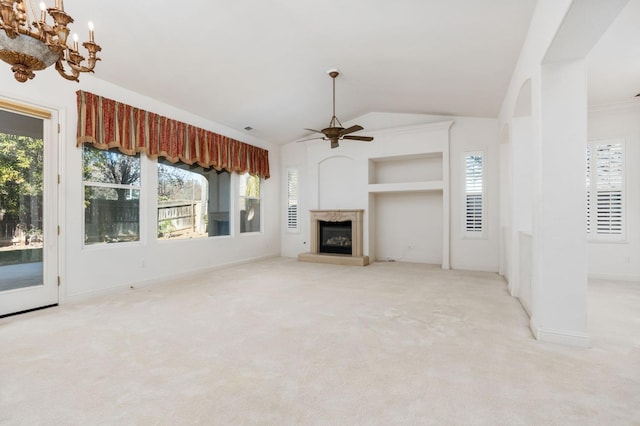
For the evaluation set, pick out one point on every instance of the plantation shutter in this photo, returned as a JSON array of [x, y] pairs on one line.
[[588, 190], [474, 197], [609, 187], [292, 199]]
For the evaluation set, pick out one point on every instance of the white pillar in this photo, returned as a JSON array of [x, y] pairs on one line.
[[559, 235]]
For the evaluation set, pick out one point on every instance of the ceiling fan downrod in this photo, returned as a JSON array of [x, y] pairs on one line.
[[334, 73], [336, 131]]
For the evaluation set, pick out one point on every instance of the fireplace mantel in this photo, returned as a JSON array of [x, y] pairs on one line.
[[356, 218]]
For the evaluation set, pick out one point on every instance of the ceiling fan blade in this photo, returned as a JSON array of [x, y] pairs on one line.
[[311, 130], [334, 143], [310, 139], [359, 138], [351, 130]]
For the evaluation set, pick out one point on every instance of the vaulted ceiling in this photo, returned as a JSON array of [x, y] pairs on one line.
[[263, 63], [614, 62]]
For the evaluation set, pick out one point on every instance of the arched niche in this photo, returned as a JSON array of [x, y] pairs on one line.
[[336, 182], [523, 103]]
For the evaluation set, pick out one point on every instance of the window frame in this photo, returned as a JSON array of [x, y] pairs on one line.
[[592, 190], [292, 196], [185, 168], [142, 220], [469, 234]]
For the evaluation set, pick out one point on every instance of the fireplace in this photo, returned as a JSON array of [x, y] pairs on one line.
[[336, 237]]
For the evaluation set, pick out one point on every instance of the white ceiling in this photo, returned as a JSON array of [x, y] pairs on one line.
[[263, 63]]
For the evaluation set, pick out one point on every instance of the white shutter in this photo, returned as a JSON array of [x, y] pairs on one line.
[[292, 199], [609, 189], [588, 190], [474, 193]]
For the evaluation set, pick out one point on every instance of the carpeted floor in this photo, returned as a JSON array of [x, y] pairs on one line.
[[280, 342]]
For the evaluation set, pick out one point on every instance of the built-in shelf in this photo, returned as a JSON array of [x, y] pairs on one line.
[[406, 169], [434, 185], [418, 179]]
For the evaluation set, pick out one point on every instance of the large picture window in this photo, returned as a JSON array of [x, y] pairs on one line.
[[182, 202], [111, 183], [192, 202], [249, 203]]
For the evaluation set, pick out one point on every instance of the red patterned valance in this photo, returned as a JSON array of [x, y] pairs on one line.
[[106, 124]]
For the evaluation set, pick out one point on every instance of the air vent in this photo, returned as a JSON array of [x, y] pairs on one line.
[[248, 128]]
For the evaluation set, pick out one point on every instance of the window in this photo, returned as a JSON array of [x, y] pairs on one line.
[[192, 202], [219, 203], [249, 203], [111, 183], [474, 194], [292, 199], [605, 187], [182, 201]]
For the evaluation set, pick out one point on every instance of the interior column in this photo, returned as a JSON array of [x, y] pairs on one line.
[[559, 234]]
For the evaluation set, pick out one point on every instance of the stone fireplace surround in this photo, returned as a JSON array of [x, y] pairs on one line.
[[356, 258]]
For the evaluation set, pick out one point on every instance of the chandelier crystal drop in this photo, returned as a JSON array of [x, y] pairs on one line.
[[29, 43]]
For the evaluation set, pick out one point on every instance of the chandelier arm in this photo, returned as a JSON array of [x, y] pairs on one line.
[[79, 68], [60, 68]]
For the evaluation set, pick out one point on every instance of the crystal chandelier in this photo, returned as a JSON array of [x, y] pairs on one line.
[[31, 45]]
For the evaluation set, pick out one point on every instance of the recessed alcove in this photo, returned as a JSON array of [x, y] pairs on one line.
[[409, 212]]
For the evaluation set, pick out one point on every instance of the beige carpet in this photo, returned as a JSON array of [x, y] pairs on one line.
[[280, 342]]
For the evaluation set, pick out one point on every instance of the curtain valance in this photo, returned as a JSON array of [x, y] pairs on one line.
[[106, 123]]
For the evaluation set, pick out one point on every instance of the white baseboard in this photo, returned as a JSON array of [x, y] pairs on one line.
[[562, 337], [82, 297], [476, 268], [614, 277]]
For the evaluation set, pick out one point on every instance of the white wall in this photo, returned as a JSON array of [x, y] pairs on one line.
[[560, 36], [87, 270], [475, 134], [620, 260], [408, 227], [398, 134]]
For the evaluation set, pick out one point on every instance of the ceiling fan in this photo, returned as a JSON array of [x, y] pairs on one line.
[[336, 131]]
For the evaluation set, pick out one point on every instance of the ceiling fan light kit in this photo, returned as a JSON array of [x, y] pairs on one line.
[[336, 132]]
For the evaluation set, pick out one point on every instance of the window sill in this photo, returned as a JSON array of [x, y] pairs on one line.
[[605, 241], [241, 234], [112, 246]]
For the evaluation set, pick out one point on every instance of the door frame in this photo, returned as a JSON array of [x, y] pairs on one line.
[[48, 294]]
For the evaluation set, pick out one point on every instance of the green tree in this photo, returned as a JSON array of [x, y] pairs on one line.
[[21, 179], [110, 166], [253, 187]]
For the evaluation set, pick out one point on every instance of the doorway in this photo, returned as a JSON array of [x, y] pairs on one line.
[[28, 208]]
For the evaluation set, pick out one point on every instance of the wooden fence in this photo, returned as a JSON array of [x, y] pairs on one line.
[[180, 217]]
